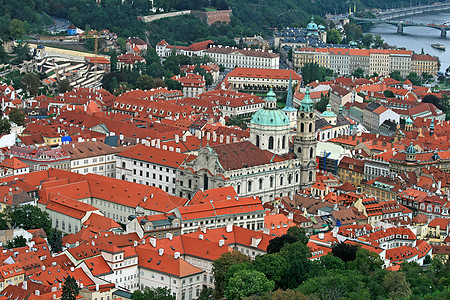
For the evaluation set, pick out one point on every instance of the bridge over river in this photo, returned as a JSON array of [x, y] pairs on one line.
[[401, 24], [386, 16]]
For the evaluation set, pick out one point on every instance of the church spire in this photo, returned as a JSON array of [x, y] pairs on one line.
[[289, 98]]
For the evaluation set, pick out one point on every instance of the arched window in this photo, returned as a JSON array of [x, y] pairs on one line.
[[290, 178], [63, 225], [271, 181], [56, 223], [310, 127], [311, 152], [261, 183], [281, 180], [257, 140], [270, 142], [189, 183], [296, 177], [302, 127], [76, 228], [310, 176], [299, 149], [249, 186], [123, 177], [238, 188], [70, 227], [283, 144]]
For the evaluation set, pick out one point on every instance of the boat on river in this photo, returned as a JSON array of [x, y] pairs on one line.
[[438, 46]]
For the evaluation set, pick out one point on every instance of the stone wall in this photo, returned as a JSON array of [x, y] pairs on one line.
[[211, 17]]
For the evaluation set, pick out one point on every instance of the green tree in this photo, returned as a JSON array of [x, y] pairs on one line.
[[18, 241], [328, 262], [237, 120], [333, 36], [206, 294], [64, 86], [396, 285], [70, 289], [246, 283], [153, 294], [345, 251], [389, 94], [17, 116], [4, 57], [22, 52], [358, 73], [396, 75], [336, 285], [31, 83], [152, 57], [16, 28], [290, 54], [323, 102], [221, 266], [299, 233], [274, 266], [280, 295], [378, 41], [365, 262], [173, 84], [367, 40], [122, 44], [145, 82], [414, 78], [312, 72], [55, 240], [30, 217], [5, 126], [277, 243], [113, 60]]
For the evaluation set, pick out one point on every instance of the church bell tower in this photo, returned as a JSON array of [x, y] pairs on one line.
[[305, 142]]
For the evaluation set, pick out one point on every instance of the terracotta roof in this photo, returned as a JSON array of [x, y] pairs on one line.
[[264, 73], [166, 264], [244, 154], [156, 156]]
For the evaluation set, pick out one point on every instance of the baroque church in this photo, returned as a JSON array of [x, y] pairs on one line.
[[274, 162]]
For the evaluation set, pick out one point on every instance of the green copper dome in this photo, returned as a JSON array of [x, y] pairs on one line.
[[409, 121], [328, 112], [270, 114], [411, 149], [312, 25], [307, 103]]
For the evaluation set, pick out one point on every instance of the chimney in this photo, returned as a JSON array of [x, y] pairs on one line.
[[170, 236], [221, 243], [184, 138], [24, 285], [321, 235], [176, 255], [153, 242], [72, 269], [229, 228], [37, 292], [97, 287], [200, 236], [153, 143], [177, 138], [43, 268], [135, 243], [160, 251]]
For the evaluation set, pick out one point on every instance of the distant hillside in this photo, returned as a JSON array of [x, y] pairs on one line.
[[249, 17]]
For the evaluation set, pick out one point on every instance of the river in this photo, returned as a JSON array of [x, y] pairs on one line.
[[416, 38]]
